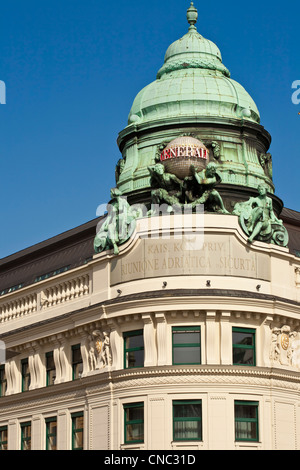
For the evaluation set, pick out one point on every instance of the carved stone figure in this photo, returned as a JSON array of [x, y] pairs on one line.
[[119, 168], [167, 188], [257, 219], [285, 346], [200, 189], [266, 163], [99, 353], [118, 225], [216, 150]]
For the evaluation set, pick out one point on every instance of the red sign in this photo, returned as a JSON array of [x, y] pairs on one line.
[[182, 152]]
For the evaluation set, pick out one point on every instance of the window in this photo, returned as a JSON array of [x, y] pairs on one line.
[[77, 431], [187, 420], [134, 423], [243, 344], [3, 438], [25, 375], [3, 381], [246, 420], [26, 436], [50, 369], [186, 345], [51, 432], [77, 365], [133, 349]]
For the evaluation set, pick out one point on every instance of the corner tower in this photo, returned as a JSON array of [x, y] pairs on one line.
[[194, 96]]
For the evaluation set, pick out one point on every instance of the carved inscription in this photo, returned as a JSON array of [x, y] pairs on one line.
[[216, 255]]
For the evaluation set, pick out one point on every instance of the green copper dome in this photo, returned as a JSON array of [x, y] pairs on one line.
[[193, 82], [194, 95]]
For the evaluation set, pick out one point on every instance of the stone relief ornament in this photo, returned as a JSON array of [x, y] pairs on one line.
[[285, 347], [258, 221], [99, 351], [266, 163], [200, 189], [119, 168], [183, 175], [167, 188], [118, 225]]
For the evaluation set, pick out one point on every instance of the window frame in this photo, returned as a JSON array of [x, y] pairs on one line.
[[24, 376], [76, 347], [255, 405], [3, 429], [252, 347], [174, 420], [196, 328], [129, 334], [75, 430], [126, 406], [3, 381], [49, 354], [49, 434], [24, 439]]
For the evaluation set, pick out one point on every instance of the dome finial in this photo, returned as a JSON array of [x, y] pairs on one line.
[[192, 16]]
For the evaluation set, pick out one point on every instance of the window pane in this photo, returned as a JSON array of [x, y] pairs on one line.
[[188, 410], [50, 362], [134, 423], [76, 355], [135, 359], [184, 430], [135, 413], [186, 337], [246, 421], [187, 422], [134, 342], [78, 440], [3, 439], [245, 411], [135, 432], [243, 356], [186, 355], [247, 431], [51, 435], [244, 338], [77, 422], [26, 437]]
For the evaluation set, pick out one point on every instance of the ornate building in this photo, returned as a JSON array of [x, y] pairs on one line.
[[172, 322]]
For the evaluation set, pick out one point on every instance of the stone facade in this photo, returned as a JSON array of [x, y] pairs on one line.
[[94, 306]]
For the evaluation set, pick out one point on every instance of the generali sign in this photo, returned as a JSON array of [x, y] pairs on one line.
[[186, 151]]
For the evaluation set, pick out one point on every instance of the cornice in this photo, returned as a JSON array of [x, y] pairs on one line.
[[167, 299], [114, 382]]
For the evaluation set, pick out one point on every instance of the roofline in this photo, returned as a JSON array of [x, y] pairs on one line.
[[72, 235]]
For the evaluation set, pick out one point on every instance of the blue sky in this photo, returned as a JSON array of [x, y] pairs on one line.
[[72, 69]]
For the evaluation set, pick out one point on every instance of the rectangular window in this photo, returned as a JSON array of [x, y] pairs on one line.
[[77, 365], [133, 349], [3, 381], [26, 436], [243, 345], [3, 438], [77, 431], [246, 420], [25, 375], [187, 420], [186, 345], [51, 433], [134, 423], [50, 369]]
